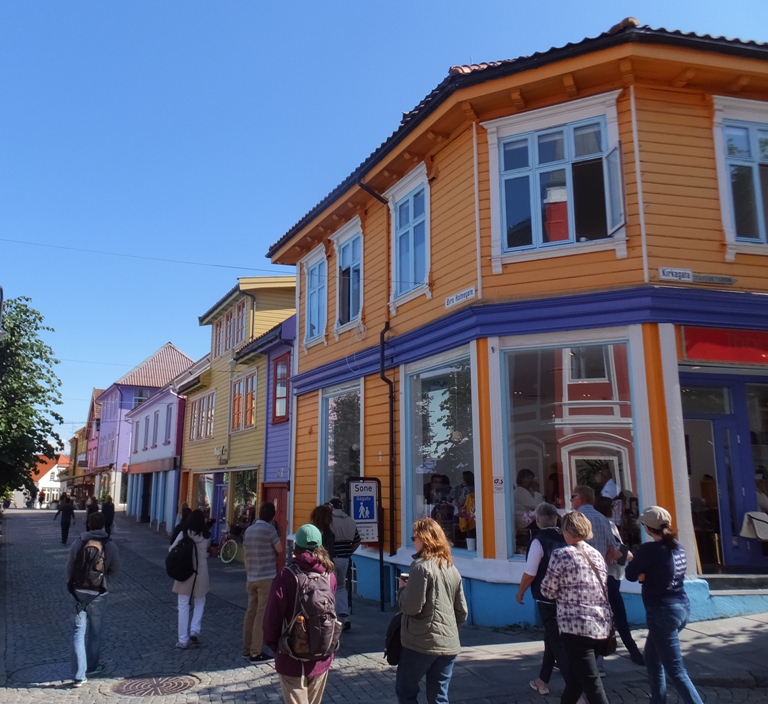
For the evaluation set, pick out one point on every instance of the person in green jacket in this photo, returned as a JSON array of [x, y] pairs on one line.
[[433, 607]]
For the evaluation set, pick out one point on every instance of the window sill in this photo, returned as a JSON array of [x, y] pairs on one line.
[[308, 344], [167, 442], [618, 243], [351, 325], [734, 248], [153, 447], [414, 293], [281, 419]]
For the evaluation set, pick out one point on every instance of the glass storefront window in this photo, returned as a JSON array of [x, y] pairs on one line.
[[204, 493], [341, 441], [244, 497], [757, 408], [440, 452], [568, 421], [712, 400]]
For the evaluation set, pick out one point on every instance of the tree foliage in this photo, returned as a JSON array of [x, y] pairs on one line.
[[29, 392]]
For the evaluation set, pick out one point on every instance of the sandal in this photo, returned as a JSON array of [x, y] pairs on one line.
[[540, 688]]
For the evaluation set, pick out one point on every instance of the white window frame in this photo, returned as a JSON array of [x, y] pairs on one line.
[[155, 427], [315, 258], [340, 238], [136, 429], [240, 323], [329, 392], [168, 423], [201, 416], [736, 110], [146, 433], [416, 178], [597, 106], [241, 381], [254, 375]]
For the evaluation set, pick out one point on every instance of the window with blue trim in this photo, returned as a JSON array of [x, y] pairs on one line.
[[350, 267], [316, 299], [560, 186], [411, 241], [746, 151]]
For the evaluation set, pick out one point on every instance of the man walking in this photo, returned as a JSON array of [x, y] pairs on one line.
[[606, 543], [67, 511], [262, 545], [92, 558], [347, 540]]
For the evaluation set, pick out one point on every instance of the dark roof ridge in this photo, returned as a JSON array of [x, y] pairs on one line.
[[626, 31]]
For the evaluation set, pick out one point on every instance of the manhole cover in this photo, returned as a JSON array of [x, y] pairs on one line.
[[154, 686], [43, 674]]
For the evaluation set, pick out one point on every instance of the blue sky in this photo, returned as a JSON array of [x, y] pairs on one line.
[[201, 131]]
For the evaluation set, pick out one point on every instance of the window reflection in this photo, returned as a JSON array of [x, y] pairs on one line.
[[440, 458], [569, 422]]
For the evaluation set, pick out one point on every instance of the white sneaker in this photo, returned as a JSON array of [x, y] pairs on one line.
[[182, 646]]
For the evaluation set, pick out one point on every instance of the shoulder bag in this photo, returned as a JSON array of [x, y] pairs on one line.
[[606, 646]]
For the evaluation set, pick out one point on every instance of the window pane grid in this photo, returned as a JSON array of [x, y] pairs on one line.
[[570, 198], [746, 150], [411, 241]]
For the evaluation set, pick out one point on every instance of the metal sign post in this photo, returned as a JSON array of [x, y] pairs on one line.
[[365, 508]]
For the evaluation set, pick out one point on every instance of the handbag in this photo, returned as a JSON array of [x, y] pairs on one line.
[[605, 646], [392, 643]]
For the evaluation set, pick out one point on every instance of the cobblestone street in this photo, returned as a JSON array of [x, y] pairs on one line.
[[726, 658]]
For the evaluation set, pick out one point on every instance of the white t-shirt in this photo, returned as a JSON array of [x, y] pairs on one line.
[[610, 489], [535, 555]]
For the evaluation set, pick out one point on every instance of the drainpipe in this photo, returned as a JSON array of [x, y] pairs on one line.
[[386, 380], [391, 385]]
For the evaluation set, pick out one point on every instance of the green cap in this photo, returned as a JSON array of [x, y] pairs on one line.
[[308, 536]]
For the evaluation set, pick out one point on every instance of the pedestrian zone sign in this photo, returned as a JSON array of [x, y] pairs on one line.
[[364, 494]]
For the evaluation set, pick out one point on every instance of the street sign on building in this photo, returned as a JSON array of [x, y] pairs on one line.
[[364, 508]]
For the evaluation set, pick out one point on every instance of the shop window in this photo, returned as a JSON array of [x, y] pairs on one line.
[[340, 459], [244, 497], [568, 421], [440, 459], [204, 494]]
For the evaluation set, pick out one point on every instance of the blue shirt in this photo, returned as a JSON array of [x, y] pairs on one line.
[[664, 569]]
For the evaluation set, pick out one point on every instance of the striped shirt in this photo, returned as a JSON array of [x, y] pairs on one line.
[[259, 543]]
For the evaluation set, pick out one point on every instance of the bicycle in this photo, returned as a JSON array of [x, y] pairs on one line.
[[228, 544]]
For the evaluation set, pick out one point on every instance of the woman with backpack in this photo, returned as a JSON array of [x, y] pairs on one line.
[[433, 607], [196, 587], [300, 622]]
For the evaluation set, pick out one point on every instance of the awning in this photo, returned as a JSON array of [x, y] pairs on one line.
[[163, 465]]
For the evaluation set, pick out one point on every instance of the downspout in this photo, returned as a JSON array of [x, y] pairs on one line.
[[117, 442], [390, 384]]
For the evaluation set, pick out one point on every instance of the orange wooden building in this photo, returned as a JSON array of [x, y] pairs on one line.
[[558, 264]]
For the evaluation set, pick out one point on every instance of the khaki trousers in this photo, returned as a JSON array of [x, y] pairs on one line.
[[253, 636], [303, 690]]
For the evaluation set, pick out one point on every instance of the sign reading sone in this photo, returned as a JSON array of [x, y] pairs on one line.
[[364, 500]]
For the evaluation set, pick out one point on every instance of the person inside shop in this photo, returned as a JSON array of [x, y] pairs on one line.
[[526, 501]]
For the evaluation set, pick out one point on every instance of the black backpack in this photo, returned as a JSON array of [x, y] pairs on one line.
[[313, 632], [181, 560], [88, 572], [393, 646]]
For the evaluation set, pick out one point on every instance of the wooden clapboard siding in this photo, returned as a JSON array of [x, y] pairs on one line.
[[198, 454], [376, 442], [247, 445], [306, 458], [271, 307], [681, 191]]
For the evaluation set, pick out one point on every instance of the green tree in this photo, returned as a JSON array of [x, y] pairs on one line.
[[29, 392]]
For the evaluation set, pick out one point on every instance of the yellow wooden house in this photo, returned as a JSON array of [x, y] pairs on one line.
[[552, 273], [225, 414]]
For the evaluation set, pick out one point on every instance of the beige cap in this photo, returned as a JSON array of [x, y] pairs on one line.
[[656, 517]]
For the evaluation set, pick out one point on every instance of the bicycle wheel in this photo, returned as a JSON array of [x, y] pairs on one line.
[[228, 551]]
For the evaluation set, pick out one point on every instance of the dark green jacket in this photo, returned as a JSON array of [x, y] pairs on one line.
[[433, 607]]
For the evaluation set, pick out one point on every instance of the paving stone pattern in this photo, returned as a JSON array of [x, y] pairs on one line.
[[140, 633]]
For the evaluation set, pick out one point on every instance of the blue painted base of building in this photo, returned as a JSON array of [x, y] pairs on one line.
[[493, 603]]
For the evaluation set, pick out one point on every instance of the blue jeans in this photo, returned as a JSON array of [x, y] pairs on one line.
[[86, 650], [662, 653], [412, 668]]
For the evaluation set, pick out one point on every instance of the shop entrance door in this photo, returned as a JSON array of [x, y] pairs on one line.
[[721, 475]]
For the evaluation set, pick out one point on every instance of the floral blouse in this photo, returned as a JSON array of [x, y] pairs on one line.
[[582, 604]]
